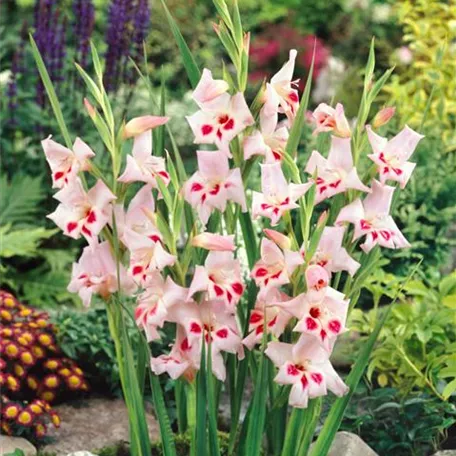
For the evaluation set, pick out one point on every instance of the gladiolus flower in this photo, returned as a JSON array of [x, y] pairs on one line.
[[146, 257], [371, 219], [213, 185], [331, 119], [330, 254], [81, 212], [280, 96], [269, 142], [212, 322], [182, 360], [383, 116], [96, 272], [307, 368], [142, 166], [335, 174], [65, 164], [322, 315], [278, 196], [220, 278], [211, 241], [391, 156], [136, 219], [151, 311], [139, 125], [275, 268], [208, 89], [220, 120], [317, 279], [276, 318]]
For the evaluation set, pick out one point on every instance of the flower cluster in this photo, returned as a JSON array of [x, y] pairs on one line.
[[33, 370], [293, 283]]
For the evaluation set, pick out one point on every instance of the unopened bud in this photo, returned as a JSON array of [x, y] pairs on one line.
[[247, 42], [322, 219], [139, 125], [212, 241], [90, 109], [284, 242], [383, 116]]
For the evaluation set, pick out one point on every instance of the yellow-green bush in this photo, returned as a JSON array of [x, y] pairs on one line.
[[430, 33]]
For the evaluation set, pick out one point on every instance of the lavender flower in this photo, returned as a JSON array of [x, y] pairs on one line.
[[84, 13], [128, 22], [49, 36]]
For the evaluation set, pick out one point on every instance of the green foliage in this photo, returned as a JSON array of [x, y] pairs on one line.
[[426, 209], [417, 346], [37, 273], [392, 425], [429, 31], [85, 336]]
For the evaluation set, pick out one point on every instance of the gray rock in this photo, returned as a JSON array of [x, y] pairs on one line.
[[445, 453], [10, 444], [81, 453], [348, 444]]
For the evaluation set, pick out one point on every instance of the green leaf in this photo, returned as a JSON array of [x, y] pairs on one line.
[[51, 93], [449, 389], [212, 407], [190, 65], [166, 433], [201, 413], [23, 242], [20, 199]]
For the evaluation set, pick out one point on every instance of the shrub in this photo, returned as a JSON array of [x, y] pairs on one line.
[[33, 370]]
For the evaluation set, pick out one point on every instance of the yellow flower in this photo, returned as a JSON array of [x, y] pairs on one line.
[[32, 383], [25, 418], [12, 350], [48, 396], [52, 381], [74, 382], [5, 315], [36, 409], [9, 302], [11, 411], [27, 358], [45, 339]]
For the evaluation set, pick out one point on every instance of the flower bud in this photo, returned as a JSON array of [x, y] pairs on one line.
[[211, 241], [139, 125], [383, 116], [322, 219], [90, 109], [284, 242]]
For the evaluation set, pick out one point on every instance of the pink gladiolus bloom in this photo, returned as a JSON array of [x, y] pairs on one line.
[[214, 184], [151, 311], [96, 273], [330, 254], [139, 125], [212, 322], [81, 212], [307, 368], [276, 318], [331, 119], [212, 241], [275, 268], [335, 174], [142, 166], [220, 278], [65, 164], [391, 156], [182, 360], [146, 257], [137, 218], [284, 242], [270, 142], [371, 219], [220, 120], [280, 94], [208, 89], [278, 196], [317, 280], [322, 316]]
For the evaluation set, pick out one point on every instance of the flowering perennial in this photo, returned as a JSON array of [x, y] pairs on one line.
[[232, 292]]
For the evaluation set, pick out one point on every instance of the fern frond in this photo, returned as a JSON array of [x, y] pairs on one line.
[[20, 199], [22, 242]]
